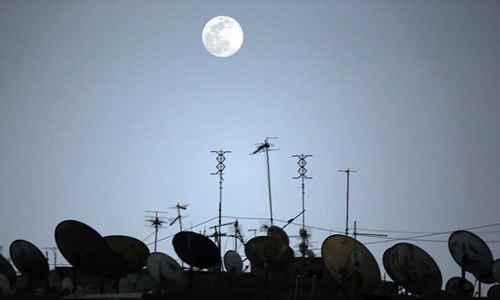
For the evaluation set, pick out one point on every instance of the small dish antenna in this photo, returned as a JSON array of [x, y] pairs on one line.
[[495, 270], [162, 266], [471, 253], [494, 292], [4, 284], [459, 287], [7, 269], [277, 232], [29, 260], [414, 269], [85, 248], [146, 284], [269, 253], [132, 254], [233, 262], [350, 263], [196, 250]]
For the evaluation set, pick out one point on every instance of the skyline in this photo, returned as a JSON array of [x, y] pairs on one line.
[[111, 109]]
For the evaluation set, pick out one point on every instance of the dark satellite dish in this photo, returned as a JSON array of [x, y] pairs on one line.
[[162, 266], [270, 252], [29, 260], [55, 282], [486, 278], [276, 232], [125, 286], [459, 287], [133, 253], [146, 284], [4, 284], [494, 292], [414, 269], [233, 262], [387, 266], [196, 250], [471, 253], [84, 248], [7, 269], [350, 262], [495, 270]]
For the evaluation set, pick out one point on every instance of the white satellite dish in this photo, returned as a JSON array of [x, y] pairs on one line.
[[233, 262], [67, 285], [162, 266]]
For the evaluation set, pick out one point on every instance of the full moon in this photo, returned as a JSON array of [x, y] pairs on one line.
[[222, 36]]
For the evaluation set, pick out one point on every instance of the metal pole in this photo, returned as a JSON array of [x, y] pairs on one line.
[[269, 183], [220, 168], [348, 171]]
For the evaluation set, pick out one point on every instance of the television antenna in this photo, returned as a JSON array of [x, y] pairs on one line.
[[179, 217], [348, 172], [220, 168], [54, 249], [156, 222], [264, 147], [302, 175]]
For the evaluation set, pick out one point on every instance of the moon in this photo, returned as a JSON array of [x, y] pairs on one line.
[[222, 36]]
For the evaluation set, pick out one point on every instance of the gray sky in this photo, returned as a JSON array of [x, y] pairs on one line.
[[109, 109]]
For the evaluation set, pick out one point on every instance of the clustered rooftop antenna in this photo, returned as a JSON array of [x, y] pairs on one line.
[[302, 174], [156, 222], [265, 147], [220, 168], [179, 217], [348, 171]]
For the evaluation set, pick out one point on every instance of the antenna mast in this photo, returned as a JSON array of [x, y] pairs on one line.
[[302, 174], [156, 222], [348, 171], [265, 147], [54, 249], [220, 168]]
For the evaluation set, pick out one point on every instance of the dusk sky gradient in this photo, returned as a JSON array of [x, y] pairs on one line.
[[109, 109]]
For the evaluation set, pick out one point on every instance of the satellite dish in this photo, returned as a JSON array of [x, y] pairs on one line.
[[84, 248], [196, 250], [125, 286], [160, 265], [495, 270], [414, 269], [310, 253], [4, 284], [233, 262], [146, 284], [7, 269], [270, 252], [29, 260], [277, 232], [494, 292], [55, 282], [459, 287], [349, 261], [387, 266], [67, 285], [22, 282], [471, 253], [132, 253]]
